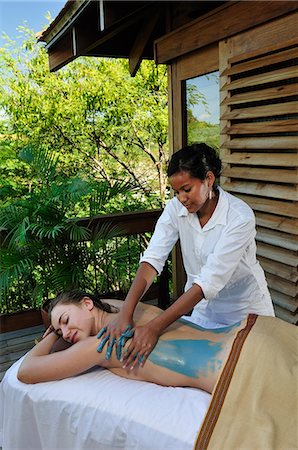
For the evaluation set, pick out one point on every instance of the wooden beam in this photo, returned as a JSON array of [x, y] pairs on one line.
[[256, 80], [269, 143], [278, 239], [273, 126], [62, 52], [141, 40], [284, 301], [279, 207], [263, 94], [262, 61], [224, 22], [261, 159], [286, 176], [263, 189], [279, 269], [23, 319], [127, 223], [279, 109], [276, 253]]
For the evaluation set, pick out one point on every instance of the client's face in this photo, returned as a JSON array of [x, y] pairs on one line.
[[74, 321]]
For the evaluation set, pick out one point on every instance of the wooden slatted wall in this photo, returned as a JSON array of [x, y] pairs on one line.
[[259, 110]]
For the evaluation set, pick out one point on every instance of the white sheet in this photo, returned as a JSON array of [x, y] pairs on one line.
[[98, 410]]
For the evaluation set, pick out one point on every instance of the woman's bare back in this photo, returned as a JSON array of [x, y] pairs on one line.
[[185, 355]]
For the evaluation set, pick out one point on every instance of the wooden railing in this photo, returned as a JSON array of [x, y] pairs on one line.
[[132, 226]]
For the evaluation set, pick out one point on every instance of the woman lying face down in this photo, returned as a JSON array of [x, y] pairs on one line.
[[185, 355]]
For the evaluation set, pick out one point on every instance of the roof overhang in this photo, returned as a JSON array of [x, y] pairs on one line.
[[118, 29], [101, 28]]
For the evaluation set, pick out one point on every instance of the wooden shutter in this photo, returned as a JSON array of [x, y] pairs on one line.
[[259, 110]]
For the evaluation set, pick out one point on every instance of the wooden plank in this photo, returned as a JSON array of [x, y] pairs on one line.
[[62, 52], [8, 351], [141, 40], [279, 269], [281, 56], [274, 126], [263, 78], [22, 332], [198, 63], [262, 94], [126, 223], [284, 208], [262, 174], [19, 320], [229, 19], [270, 45], [279, 223], [7, 364], [286, 315], [280, 285], [261, 159], [263, 189], [260, 143], [262, 111], [269, 37], [278, 239], [284, 301], [277, 254]]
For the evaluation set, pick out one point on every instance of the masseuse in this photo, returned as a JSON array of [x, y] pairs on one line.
[[217, 235]]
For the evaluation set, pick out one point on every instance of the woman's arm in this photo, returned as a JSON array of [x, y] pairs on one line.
[[146, 337], [161, 243], [39, 365], [143, 280]]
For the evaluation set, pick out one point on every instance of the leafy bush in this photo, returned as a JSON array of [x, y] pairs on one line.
[[44, 248]]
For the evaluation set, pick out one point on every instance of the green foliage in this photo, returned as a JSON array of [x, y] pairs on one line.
[[101, 120], [44, 248], [86, 140], [198, 131]]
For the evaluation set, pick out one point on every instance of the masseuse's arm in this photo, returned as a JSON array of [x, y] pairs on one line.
[[143, 280], [163, 240], [39, 365], [146, 337]]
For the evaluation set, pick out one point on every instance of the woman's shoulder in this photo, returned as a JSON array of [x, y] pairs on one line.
[[140, 306], [238, 209]]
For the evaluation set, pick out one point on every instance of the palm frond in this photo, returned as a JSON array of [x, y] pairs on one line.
[[107, 231], [77, 232], [12, 268], [43, 162], [42, 231]]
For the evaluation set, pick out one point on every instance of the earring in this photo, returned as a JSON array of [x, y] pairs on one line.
[[210, 194]]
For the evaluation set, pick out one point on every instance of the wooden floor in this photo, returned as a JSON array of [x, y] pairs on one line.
[[15, 344]]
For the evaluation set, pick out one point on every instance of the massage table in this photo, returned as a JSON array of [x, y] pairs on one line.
[[253, 406], [100, 411]]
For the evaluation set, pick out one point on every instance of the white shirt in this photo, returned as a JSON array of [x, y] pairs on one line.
[[220, 258]]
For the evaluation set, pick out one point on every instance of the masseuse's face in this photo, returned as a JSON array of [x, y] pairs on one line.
[[190, 191], [75, 321]]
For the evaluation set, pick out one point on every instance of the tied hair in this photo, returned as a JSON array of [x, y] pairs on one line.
[[76, 296]]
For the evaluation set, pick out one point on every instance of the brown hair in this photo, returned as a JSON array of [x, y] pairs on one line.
[[76, 296]]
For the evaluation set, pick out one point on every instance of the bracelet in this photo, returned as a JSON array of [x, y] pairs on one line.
[[52, 330]]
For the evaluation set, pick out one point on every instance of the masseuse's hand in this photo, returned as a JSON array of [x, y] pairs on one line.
[[142, 344], [116, 333]]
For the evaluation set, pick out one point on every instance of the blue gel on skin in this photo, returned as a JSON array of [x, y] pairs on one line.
[[187, 357]]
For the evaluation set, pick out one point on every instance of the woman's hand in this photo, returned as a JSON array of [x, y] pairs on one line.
[[118, 331], [50, 330], [142, 344]]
